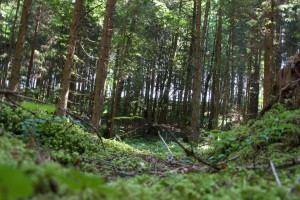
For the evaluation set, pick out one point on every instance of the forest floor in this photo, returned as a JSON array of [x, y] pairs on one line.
[[46, 157]]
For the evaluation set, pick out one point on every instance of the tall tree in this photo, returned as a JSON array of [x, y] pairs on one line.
[[203, 45], [14, 80], [68, 66], [197, 78], [269, 46], [218, 67], [103, 63], [187, 85]]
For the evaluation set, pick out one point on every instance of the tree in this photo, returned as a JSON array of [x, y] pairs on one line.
[[68, 67], [268, 57], [14, 80], [10, 48], [103, 63], [218, 67], [33, 46], [197, 76], [188, 74]]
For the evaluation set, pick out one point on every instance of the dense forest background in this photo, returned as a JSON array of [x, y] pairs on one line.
[[198, 64]]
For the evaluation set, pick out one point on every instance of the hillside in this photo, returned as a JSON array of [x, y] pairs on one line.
[[46, 157]]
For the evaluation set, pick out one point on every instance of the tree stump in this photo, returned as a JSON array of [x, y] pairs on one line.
[[288, 81], [287, 85]]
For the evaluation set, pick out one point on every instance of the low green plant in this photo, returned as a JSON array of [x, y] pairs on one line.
[[14, 184], [278, 126]]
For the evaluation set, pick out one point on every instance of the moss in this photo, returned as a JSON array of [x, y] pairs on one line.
[[56, 152]]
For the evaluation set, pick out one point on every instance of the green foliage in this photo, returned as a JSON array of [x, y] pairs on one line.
[[53, 167], [14, 184], [154, 145], [225, 185], [37, 107], [279, 126], [12, 119], [23, 178]]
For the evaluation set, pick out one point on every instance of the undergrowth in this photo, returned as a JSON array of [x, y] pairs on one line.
[[46, 157]]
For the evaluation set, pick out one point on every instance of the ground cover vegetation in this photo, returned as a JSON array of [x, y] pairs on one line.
[[50, 157], [149, 99]]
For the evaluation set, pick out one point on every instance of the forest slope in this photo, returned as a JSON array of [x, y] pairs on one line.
[[45, 157]]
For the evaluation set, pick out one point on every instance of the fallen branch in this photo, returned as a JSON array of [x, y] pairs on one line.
[[292, 163], [171, 158], [275, 174], [188, 153]]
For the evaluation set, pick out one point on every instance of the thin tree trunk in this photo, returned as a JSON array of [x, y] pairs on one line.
[[152, 84], [197, 78], [10, 48], [249, 81], [212, 101], [68, 65], [187, 86], [218, 66], [268, 57], [203, 46], [165, 96], [127, 97], [254, 91], [226, 90], [103, 63], [36, 29]]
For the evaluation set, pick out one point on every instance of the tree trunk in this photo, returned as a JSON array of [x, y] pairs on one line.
[[249, 81], [254, 90], [152, 85], [68, 65], [197, 78], [212, 101], [103, 63], [127, 97], [226, 84], [14, 80], [165, 96], [36, 29], [187, 86], [10, 48], [268, 57], [203, 46], [218, 68]]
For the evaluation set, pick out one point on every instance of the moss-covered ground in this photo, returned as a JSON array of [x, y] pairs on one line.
[[46, 157]]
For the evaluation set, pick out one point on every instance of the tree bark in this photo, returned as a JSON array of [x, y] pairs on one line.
[[228, 64], [14, 80], [254, 88], [197, 78], [203, 46], [187, 86], [218, 69], [36, 29], [268, 57], [165, 96], [68, 65], [103, 63]]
